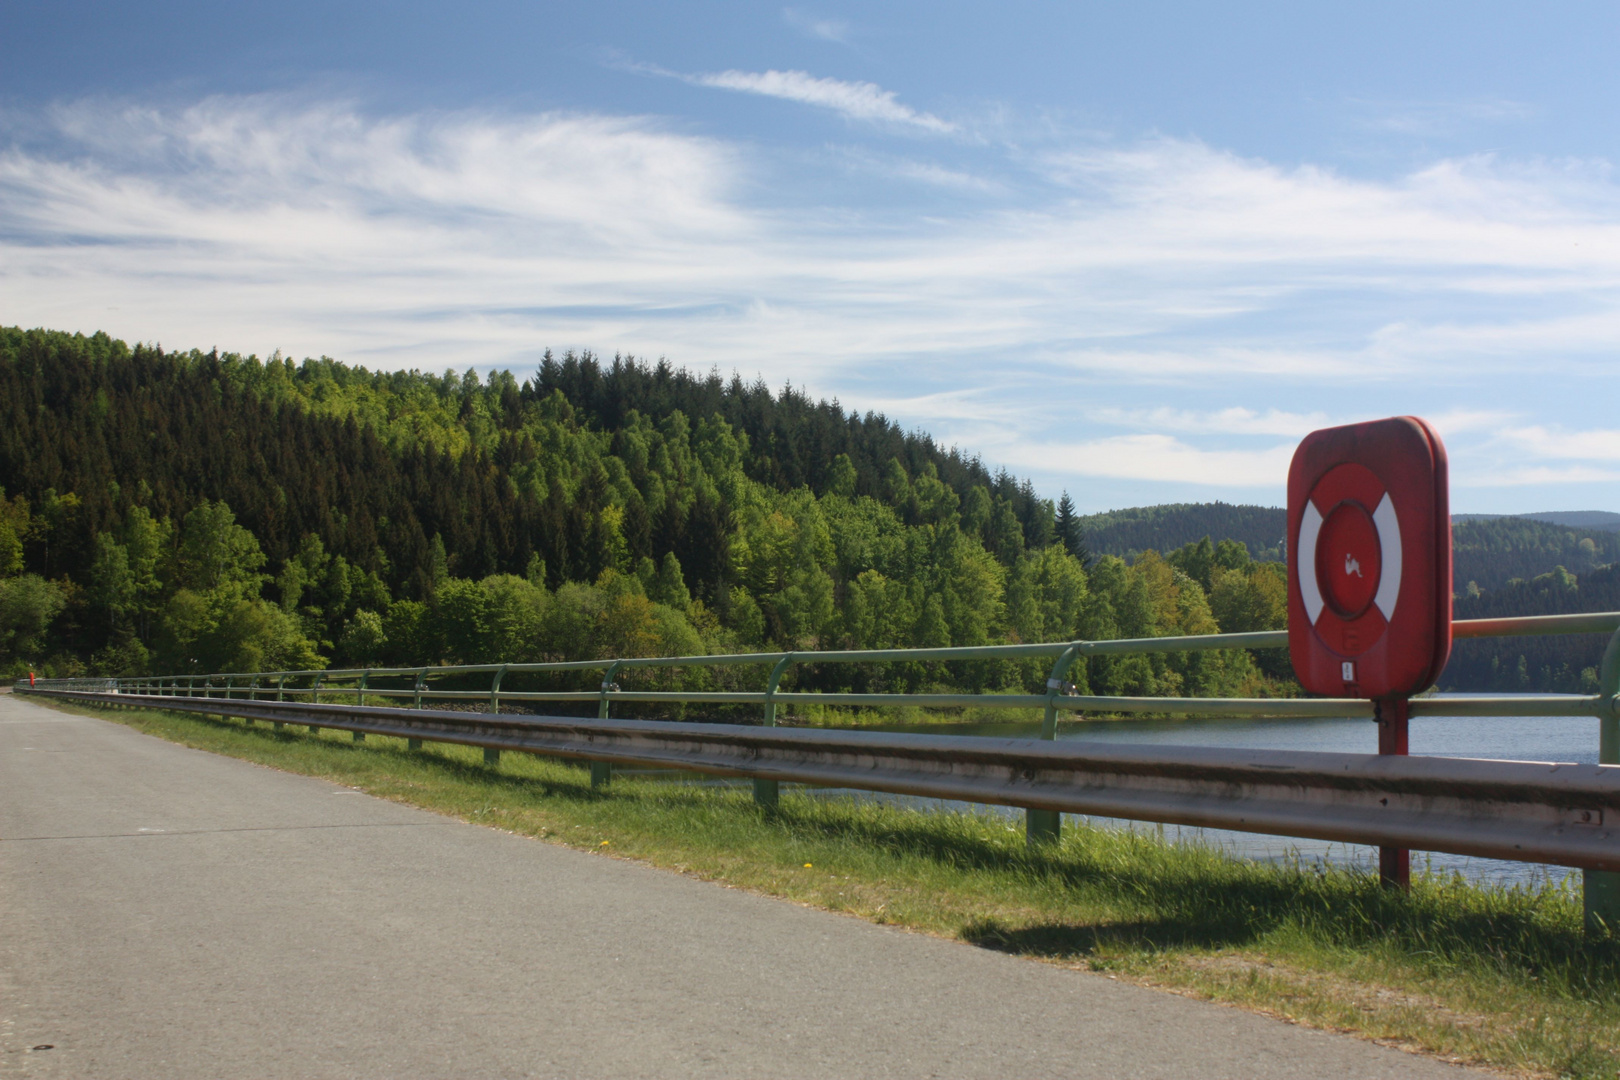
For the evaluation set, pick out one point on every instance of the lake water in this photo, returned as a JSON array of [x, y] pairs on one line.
[[1539, 738]]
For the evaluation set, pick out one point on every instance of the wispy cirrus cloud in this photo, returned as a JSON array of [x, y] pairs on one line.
[[1425, 119], [855, 100], [1552, 442], [1140, 312], [1236, 420], [816, 26], [1160, 458], [852, 99]]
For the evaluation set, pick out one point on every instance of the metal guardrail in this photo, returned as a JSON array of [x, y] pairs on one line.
[[1564, 814], [1457, 815]]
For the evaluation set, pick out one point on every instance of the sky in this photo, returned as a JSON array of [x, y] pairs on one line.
[[1132, 251]]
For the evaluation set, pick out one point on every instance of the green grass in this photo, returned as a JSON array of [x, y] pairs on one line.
[[1494, 976], [834, 716]]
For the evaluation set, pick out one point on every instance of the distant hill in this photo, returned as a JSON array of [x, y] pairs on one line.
[[1488, 550], [1575, 519], [1167, 527], [1491, 552]]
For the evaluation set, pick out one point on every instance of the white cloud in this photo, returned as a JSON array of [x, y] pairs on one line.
[[1545, 442], [1160, 458], [1537, 476], [1189, 296], [602, 230], [1426, 119], [855, 100], [923, 172], [1231, 421], [1467, 421], [835, 30]]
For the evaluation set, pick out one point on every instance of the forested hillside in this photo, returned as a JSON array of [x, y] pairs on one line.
[[1555, 664], [199, 512], [177, 512], [1490, 554]]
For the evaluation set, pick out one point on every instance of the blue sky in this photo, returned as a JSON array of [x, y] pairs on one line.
[[1132, 251]]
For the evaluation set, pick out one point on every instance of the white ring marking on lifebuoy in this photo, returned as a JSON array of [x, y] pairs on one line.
[[1389, 539], [1310, 526]]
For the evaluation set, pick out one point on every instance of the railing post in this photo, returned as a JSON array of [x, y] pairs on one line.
[[314, 696], [495, 690], [1393, 716], [602, 771], [1046, 826], [360, 699], [492, 754], [1600, 889], [281, 679], [768, 792], [421, 680]]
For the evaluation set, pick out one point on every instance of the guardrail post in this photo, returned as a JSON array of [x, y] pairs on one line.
[[1046, 826], [602, 771], [1393, 716], [1600, 889], [768, 792], [281, 680]]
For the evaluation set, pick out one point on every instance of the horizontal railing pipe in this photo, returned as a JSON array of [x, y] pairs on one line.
[[1562, 814]]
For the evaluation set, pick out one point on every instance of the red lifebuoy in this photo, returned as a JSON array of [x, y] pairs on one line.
[[1369, 559]]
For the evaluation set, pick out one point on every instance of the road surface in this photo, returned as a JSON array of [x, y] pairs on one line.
[[169, 913]]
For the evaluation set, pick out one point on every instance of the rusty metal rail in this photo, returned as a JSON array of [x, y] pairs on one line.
[[1562, 814]]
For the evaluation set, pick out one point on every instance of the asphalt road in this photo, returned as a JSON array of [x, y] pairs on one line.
[[168, 913]]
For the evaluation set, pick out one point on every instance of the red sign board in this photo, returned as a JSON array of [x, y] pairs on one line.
[[1369, 559]]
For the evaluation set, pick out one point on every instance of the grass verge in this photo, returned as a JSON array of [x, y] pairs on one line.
[[1492, 976]]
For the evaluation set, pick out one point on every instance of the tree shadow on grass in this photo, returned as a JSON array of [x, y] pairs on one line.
[[1174, 896]]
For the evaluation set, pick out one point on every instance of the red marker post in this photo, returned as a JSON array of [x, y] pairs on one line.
[[1369, 573]]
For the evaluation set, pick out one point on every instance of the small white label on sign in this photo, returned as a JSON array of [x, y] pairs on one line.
[[1349, 671]]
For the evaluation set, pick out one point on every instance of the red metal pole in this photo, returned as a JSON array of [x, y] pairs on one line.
[[1394, 864]]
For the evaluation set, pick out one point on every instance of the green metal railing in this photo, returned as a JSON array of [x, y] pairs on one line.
[[1602, 889], [357, 682], [331, 681]]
